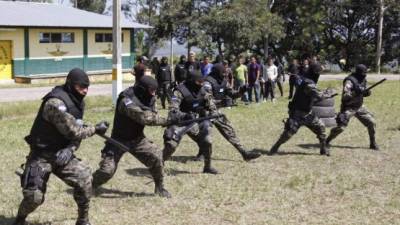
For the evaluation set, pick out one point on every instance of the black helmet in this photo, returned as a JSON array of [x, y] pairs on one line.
[[194, 81], [182, 58], [77, 77], [195, 75], [361, 69], [164, 60], [217, 71], [143, 89], [313, 72]]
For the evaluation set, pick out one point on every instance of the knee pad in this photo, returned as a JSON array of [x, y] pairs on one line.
[[342, 119], [34, 197], [34, 177], [291, 126]]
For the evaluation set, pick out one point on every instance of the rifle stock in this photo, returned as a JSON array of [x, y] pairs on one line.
[[115, 143]]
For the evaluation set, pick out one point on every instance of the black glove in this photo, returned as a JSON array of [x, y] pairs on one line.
[[101, 128], [366, 93], [359, 90], [189, 116], [63, 156]]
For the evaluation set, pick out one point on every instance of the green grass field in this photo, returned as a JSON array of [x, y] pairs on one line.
[[353, 186]]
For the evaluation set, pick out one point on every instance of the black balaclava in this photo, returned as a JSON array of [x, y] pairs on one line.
[[142, 90], [361, 72], [217, 72], [183, 59], [193, 77], [76, 77]]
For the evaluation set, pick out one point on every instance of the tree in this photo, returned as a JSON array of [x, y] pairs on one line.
[[96, 6], [238, 27]]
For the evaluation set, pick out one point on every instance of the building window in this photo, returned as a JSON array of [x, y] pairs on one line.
[[56, 37], [105, 37]]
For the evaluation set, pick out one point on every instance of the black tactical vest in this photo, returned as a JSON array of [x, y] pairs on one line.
[[165, 73], [180, 73], [125, 128], [358, 100], [301, 101], [44, 135], [192, 102], [217, 88]]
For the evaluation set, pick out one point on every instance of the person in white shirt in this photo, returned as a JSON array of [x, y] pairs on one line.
[[270, 75]]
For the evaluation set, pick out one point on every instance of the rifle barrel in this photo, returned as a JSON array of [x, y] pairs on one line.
[[376, 84], [115, 142]]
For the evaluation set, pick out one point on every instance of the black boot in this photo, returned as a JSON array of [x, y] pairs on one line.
[[82, 222], [285, 136], [207, 162], [83, 214], [199, 157], [274, 149], [247, 155], [373, 145], [158, 177], [324, 150], [20, 220]]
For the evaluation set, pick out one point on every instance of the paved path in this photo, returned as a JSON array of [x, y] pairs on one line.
[[26, 94]]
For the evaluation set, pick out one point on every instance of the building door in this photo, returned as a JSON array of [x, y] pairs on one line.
[[5, 60]]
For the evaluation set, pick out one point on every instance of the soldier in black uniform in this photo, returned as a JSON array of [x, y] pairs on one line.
[[55, 136], [164, 80], [192, 64], [180, 70], [190, 100], [352, 105], [300, 112], [218, 87], [135, 109]]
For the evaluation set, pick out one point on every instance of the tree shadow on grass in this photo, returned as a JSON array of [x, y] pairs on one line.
[[174, 172], [283, 152], [310, 146], [184, 159], [139, 172], [9, 220], [114, 193], [144, 172]]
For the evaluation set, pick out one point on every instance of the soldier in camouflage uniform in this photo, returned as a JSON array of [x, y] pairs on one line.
[[135, 109], [352, 105], [300, 113], [190, 100], [217, 86], [54, 137]]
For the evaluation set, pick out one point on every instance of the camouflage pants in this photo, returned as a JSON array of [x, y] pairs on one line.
[[198, 132], [298, 119], [225, 128], [141, 148], [362, 114], [38, 168]]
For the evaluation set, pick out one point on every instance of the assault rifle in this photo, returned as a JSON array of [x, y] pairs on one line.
[[196, 120], [376, 84], [372, 86], [115, 143]]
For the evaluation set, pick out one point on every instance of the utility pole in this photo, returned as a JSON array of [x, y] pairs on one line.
[[117, 65], [172, 52], [379, 41]]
